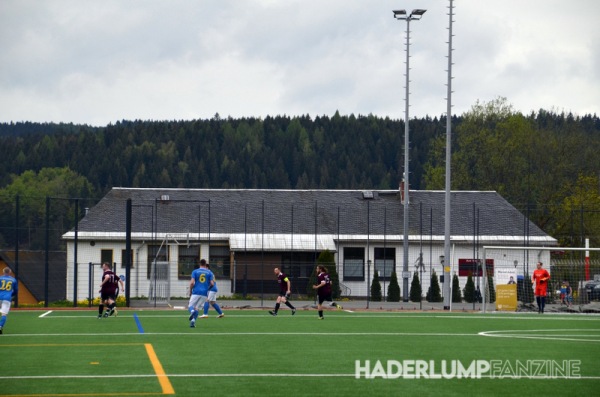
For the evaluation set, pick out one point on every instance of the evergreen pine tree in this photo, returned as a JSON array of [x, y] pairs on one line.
[[327, 259], [434, 294], [456, 295], [336, 291], [393, 289], [469, 290], [376, 288], [312, 280], [525, 290], [415, 289], [492, 290]]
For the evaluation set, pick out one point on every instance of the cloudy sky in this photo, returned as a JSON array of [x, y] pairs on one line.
[[97, 62]]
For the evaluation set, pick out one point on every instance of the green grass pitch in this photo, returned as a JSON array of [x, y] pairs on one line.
[[250, 353]]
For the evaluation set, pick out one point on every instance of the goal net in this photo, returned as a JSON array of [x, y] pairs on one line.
[[507, 271]]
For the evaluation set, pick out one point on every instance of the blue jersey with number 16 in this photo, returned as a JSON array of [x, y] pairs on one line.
[[202, 278], [8, 288]]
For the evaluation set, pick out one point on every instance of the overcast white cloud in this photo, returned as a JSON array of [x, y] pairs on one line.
[[97, 62]]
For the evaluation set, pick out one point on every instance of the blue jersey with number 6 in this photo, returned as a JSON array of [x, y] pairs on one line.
[[8, 288], [202, 278]]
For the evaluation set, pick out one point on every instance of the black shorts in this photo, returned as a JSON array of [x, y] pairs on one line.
[[323, 298], [105, 297], [283, 293]]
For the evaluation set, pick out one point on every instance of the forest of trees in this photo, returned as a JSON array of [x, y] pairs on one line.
[[340, 152], [545, 161]]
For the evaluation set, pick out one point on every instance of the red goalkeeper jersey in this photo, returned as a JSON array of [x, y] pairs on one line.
[[541, 277]]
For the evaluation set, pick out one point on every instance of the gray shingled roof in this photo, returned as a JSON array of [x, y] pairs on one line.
[[293, 211]]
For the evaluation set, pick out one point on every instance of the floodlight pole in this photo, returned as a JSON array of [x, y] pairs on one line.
[[447, 214], [401, 15]]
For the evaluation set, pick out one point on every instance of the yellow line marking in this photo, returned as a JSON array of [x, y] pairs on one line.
[[71, 344], [167, 388], [165, 384], [81, 395]]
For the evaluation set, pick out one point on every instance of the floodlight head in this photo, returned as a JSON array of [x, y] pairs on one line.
[[417, 13], [399, 14]]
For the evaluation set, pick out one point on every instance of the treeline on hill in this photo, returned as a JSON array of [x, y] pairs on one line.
[[339, 152], [543, 161]]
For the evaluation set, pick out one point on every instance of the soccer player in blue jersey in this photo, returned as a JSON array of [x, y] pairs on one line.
[[9, 287], [202, 280], [212, 300]]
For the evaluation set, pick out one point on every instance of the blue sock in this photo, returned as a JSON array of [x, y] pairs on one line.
[[196, 314], [217, 308], [191, 309], [205, 308], [2, 321]]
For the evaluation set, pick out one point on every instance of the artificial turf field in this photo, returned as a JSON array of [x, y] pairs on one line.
[[250, 353]]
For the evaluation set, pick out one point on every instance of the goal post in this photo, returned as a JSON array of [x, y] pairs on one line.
[[565, 265]]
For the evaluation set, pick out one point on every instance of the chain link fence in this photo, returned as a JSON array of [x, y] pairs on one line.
[[55, 245]]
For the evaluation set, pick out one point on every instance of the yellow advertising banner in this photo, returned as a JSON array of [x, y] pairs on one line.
[[506, 297]]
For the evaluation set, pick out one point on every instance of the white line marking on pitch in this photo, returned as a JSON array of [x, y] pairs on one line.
[[357, 315], [45, 314], [271, 375], [419, 334], [545, 334]]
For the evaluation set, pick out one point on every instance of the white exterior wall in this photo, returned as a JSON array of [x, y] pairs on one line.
[[139, 283], [361, 288]]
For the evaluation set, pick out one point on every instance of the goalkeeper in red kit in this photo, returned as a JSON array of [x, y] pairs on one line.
[[540, 277]]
